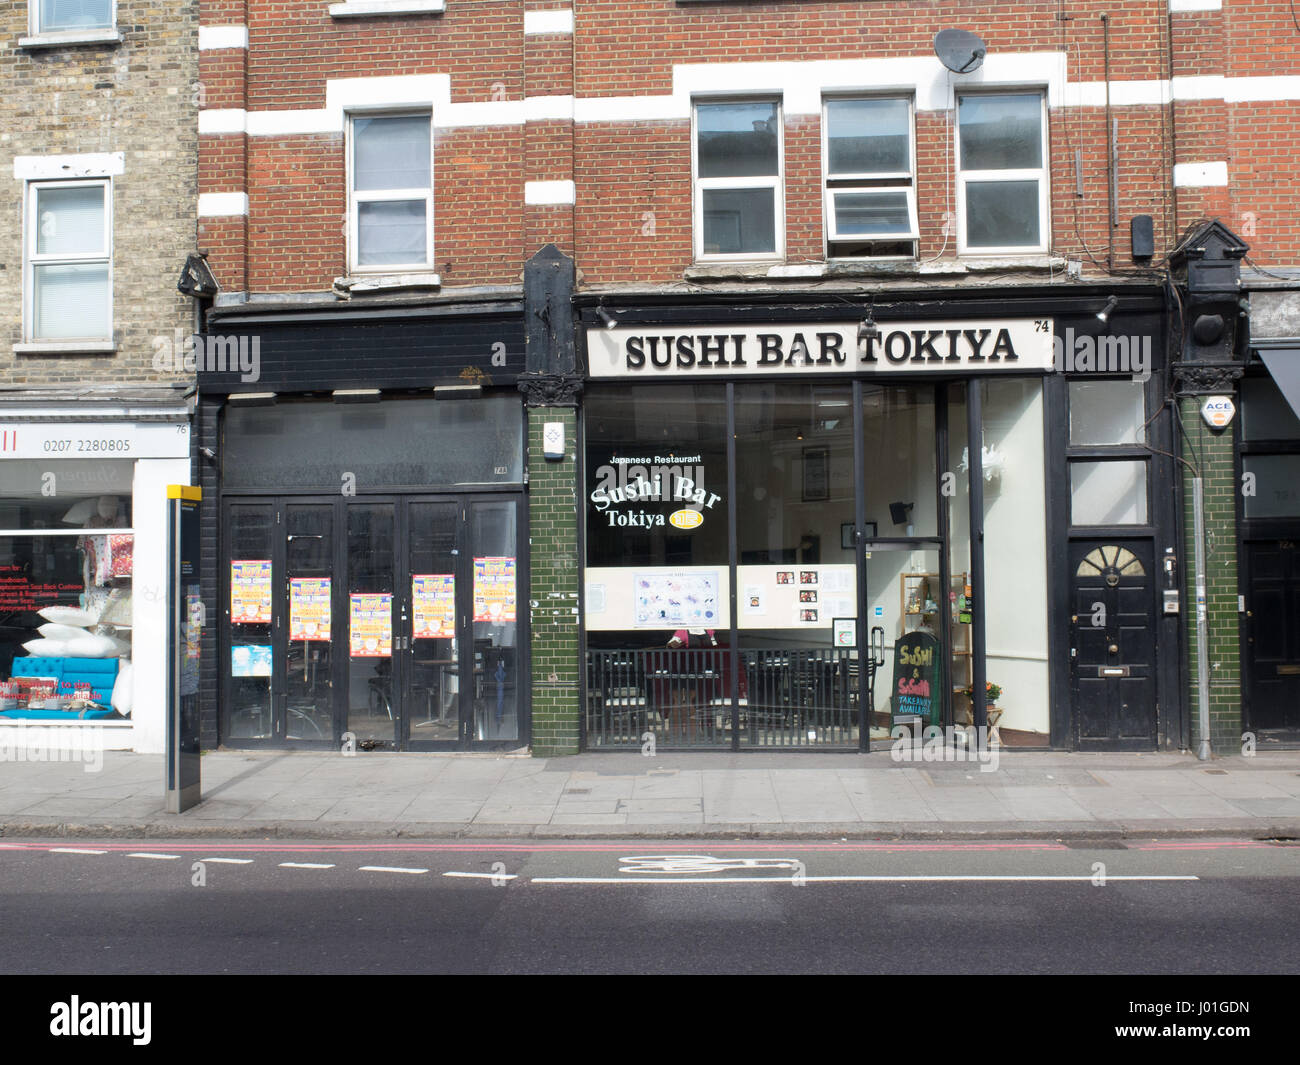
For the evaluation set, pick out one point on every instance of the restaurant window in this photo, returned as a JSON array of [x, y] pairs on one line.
[[1001, 173], [69, 255], [390, 220], [656, 512], [66, 563], [870, 194], [739, 208]]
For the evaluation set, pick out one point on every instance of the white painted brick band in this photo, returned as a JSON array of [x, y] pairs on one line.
[[212, 38], [1200, 175], [222, 204], [549, 193], [557, 20]]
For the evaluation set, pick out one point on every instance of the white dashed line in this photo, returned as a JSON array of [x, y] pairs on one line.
[[390, 869], [160, 857], [228, 861], [73, 850], [305, 865], [838, 879], [485, 876]]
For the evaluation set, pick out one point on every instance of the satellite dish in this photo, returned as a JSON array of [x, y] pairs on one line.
[[959, 50]]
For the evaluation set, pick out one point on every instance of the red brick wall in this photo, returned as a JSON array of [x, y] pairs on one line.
[[633, 216]]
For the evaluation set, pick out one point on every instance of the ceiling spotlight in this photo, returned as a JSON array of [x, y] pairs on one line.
[[1103, 315], [608, 319]]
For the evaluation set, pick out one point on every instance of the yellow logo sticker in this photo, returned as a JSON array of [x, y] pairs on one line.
[[686, 519]]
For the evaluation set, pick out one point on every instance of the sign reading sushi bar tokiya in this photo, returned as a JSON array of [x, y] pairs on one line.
[[984, 346]]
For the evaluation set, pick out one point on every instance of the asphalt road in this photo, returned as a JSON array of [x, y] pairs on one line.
[[1186, 907]]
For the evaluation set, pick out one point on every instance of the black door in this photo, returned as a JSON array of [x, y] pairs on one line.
[[1273, 634], [1113, 645]]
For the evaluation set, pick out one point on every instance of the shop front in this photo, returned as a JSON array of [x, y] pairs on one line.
[[372, 553], [83, 576], [1268, 525], [807, 532]]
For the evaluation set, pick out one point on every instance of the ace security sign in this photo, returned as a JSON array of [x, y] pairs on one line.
[[1218, 411]]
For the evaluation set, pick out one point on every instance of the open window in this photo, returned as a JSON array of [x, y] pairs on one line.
[[869, 163]]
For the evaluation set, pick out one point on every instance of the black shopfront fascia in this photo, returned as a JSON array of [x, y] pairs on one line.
[[313, 351], [1142, 311]]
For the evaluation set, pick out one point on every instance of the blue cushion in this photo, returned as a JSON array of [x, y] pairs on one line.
[[99, 673], [63, 715]]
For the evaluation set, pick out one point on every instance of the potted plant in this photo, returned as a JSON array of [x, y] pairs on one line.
[[992, 693]]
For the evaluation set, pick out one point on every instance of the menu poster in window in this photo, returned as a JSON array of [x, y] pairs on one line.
[[309, 608], [676, 600], [250, 592], [250, 660], [370, 631], [494, 589], [916, 677], [433, 602]]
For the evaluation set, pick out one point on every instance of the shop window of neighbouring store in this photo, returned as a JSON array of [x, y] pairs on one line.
[[1002, 175], [68, 263], [390, 220], [1270, 461], [66, 611], [739, 197], [869, 166]]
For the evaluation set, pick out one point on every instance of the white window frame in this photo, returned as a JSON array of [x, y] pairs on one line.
[[845, 183], [1040, 175], [31, 259], [355, 197], [776, 183], [37, 30]]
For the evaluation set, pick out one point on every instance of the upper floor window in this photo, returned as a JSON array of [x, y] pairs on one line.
[[870, 189], [390, 215], [68, 261], [1001, 173], [739, 208], [54, 16]]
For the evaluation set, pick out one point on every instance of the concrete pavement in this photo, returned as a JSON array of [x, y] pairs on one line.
[[705, 795]]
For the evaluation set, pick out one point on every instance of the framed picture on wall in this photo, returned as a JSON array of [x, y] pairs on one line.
[[816, 474], [846, 533]]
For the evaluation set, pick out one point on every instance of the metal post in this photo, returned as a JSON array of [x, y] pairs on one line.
[[975, 470], [1202, 649]]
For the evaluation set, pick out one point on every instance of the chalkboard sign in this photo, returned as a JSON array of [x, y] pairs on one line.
[[916, 678]]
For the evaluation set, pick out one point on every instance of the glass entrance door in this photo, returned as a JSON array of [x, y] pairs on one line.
[[459, 621], [387, 623]]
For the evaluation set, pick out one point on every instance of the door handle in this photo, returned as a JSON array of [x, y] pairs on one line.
[[1113, 648]]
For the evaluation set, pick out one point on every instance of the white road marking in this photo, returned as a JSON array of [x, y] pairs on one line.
[[73, 850], [833, 879], [390, 869], [228, 861], [485, 876], [305, 865], [160, 857]]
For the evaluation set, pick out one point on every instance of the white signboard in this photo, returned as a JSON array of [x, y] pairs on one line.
[[94, 440], [821, 348]]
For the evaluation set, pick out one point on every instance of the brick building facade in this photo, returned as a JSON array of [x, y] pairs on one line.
[[99, 149], [732, 169]]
